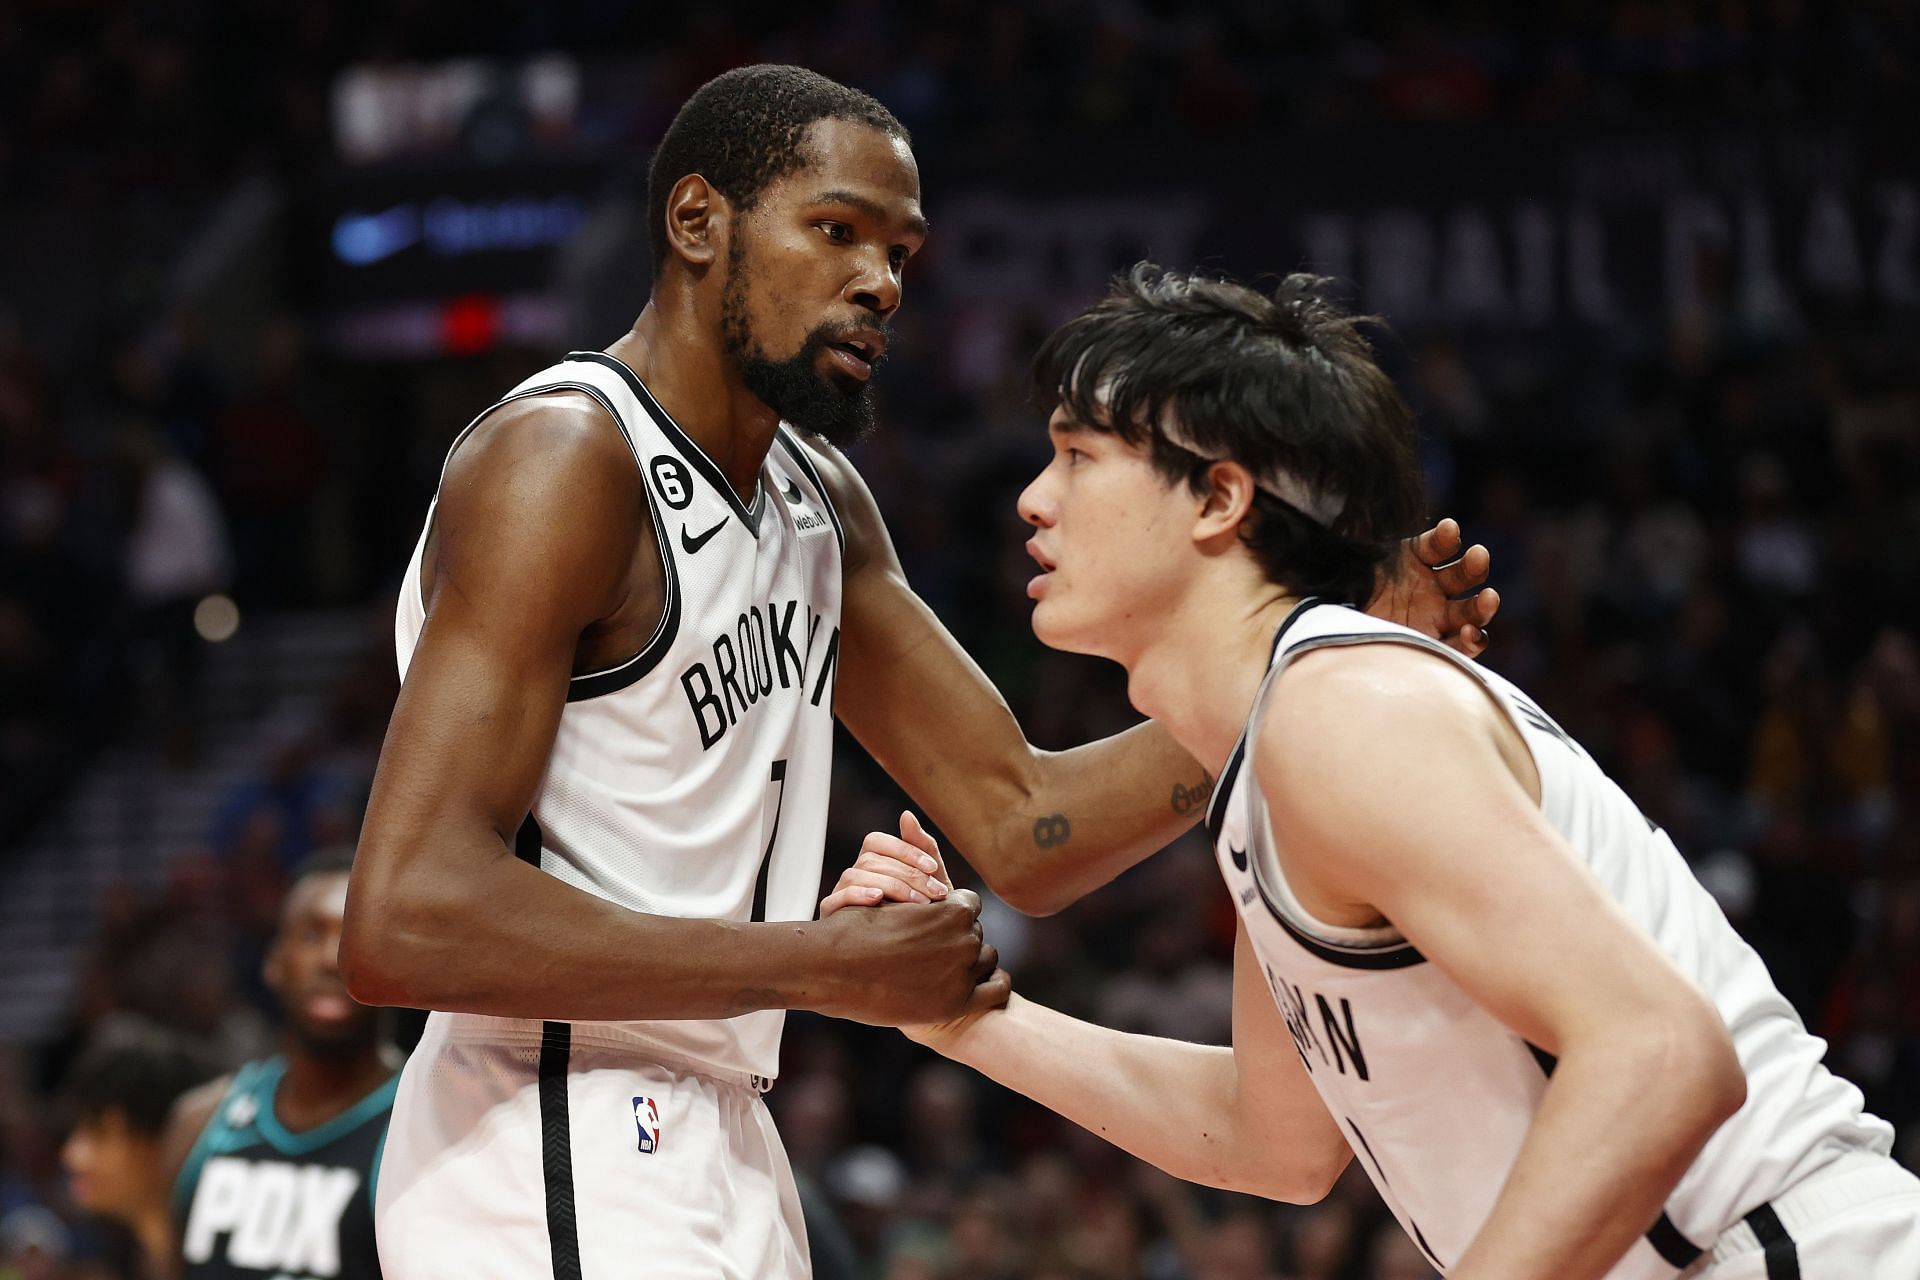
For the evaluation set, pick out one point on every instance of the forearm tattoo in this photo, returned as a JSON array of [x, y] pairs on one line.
[[1054, 829], [1193, 799]]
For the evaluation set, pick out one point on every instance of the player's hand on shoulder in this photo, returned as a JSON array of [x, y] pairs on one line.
[[903, 868], [1435, 587]]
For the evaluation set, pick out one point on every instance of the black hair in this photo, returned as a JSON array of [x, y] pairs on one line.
[[1277, 382], [744, 128], [139, 1074]]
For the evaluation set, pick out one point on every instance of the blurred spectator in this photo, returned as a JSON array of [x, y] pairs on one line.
[[122, 1091]]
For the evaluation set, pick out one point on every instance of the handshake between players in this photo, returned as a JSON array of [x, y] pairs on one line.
[[908, 869]]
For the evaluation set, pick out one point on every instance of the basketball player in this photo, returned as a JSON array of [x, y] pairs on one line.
[[277, 1163], [646, 586], [122, 1092], [1463, 953]]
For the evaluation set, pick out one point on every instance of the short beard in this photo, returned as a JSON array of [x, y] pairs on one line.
[[839, 412]]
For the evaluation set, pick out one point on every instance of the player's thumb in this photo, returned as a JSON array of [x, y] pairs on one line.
[[990, 993], [966, 898]]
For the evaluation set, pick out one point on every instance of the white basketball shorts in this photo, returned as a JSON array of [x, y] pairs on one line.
[[511, 1157], [1855, 1219]]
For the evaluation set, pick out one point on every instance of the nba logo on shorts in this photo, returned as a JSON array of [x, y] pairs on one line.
[[646, 1117]]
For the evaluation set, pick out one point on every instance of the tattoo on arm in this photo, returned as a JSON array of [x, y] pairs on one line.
[[1054, 829], [1188, 799]]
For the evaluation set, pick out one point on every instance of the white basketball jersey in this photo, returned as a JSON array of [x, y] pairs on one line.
[[692, 779], [1434, 1094]]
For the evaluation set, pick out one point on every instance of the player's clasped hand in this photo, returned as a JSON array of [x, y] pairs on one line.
[[908, 869], [903, 868]]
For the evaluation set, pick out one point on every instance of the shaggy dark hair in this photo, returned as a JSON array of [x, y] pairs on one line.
[[744, 128], [1284, 381], [139, 1074]]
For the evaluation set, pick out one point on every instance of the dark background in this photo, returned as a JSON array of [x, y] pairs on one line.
[[1654, 276]]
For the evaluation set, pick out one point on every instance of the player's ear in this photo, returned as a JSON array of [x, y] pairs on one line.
[[696, 217], [1226, 503]]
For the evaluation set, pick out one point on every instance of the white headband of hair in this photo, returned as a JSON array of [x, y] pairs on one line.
[[1321, 508]]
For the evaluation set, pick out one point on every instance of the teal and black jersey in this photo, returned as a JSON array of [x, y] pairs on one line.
[[257, 1200]]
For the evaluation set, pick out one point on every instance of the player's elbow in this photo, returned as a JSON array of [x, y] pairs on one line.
[[1030, 893], [1307, 1176], [1723, 1085], [1689, 1050], [384, 956], [366, 966]]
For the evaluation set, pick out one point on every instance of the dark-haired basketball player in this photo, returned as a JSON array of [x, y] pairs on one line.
[[648, 584], [280, 1159], [1464, 955], [122, 1092]]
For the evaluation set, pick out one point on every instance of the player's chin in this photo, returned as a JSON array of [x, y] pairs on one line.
[[1054, 628]]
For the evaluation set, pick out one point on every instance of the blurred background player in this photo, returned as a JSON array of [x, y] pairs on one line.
[[122, 1092], [281, 1158]]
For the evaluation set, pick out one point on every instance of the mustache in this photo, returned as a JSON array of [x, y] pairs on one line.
[[825, 335]]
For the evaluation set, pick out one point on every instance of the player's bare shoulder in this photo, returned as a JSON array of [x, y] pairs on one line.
[[188, 1116], [544, 491]]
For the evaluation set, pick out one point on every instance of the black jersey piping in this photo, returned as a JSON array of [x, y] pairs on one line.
[[1673, 1247], [594, 684], [1776, 1244], [793, 447], [1217, 807], [689, 449], [556, 1150], [1399, 954], [1667, 1240], [600, 683]]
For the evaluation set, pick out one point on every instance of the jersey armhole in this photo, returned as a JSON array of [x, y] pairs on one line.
[[798, 452], [188, 1178]]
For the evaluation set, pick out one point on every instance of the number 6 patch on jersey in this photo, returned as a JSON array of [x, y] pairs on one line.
[[646, 1118]]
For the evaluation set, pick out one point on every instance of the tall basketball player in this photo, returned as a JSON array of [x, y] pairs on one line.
[[281, 1159], [647, 585], [1464, 956]]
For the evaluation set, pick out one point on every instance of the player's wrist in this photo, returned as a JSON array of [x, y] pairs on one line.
[[968, 1038]]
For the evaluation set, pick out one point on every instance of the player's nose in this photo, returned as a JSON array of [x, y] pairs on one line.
[[1035, 506], [876, 288]]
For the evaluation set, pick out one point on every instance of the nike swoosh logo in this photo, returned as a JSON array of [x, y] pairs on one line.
[[693, 544], [1239, 857], [791, 492]]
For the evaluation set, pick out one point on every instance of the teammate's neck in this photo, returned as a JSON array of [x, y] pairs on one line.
[[1199, 673], [677, 352], [152, 1229], [318, 1087]]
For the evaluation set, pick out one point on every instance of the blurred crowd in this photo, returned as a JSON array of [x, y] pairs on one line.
[[1703, 532]]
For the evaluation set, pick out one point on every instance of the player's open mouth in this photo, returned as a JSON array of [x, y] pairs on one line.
[[858, 352], [328, 1006], [1039, 581]]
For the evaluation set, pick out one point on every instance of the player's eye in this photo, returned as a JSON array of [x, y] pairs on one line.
[[838, 232], [898, 259]]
